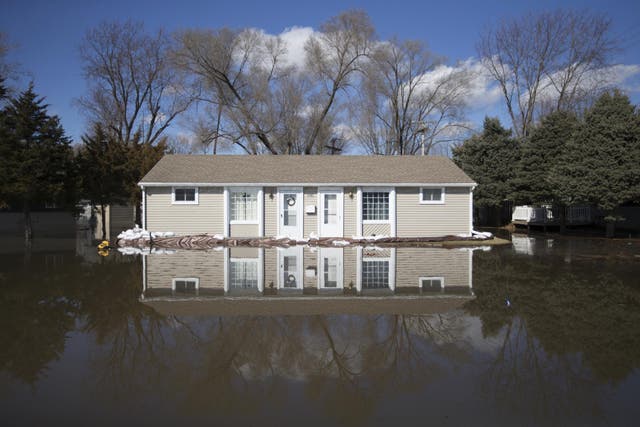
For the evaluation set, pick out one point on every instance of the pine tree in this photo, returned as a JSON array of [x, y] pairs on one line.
[[36, 159], [541, 152], [602, 163], [102, 160], [490, 159]]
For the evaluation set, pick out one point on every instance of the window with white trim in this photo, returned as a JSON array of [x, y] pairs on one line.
[[243, 205], [432, 195], [375, 206], [375, 274], [185, 195], [243, 274], [432, 284], [182, 285]]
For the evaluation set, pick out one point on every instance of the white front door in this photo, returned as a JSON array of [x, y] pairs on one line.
[[290, 212], [330, 268], [290, 268], [330, 215]]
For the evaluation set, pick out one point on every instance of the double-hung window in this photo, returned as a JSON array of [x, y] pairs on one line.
[[375, 206], [185, 195], [432, 195], [243, 273], [243, 205]]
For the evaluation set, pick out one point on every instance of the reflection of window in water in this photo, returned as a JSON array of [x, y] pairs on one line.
[[330, 272], [290, 271], [185, 285], [375, 274], [431, 284], [243, 273]]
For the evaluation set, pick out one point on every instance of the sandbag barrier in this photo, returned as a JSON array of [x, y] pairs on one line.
[[204, 241]]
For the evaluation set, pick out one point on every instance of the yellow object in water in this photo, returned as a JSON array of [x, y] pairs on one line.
[[103, 245], [103, 252]]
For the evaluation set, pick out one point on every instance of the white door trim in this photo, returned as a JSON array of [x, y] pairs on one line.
[[339, 268], [298, 253], [339, 191], [300, 211]]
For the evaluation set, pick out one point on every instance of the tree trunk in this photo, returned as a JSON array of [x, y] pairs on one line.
[[104, 221], [28, 229]]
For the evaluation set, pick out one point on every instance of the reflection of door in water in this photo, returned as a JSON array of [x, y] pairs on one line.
[[331, 205], [290, 268], [290, 213], [330, 268]]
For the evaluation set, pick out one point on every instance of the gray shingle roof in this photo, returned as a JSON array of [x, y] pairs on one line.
[[267, 169]]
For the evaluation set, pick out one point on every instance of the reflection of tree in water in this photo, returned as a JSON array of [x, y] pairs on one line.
[[567, 327], [52, 295], [240, 365], [35, 315]]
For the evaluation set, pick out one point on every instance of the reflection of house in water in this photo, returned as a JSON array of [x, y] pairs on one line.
[[298, 270]]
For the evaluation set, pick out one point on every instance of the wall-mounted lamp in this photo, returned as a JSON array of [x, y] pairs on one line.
[[271, 195], [351, 194]]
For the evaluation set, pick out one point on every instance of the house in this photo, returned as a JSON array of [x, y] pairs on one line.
[[247, 271], [303, 196]]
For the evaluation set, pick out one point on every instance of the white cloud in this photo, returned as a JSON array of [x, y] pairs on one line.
[[481, 93], [295, 38]]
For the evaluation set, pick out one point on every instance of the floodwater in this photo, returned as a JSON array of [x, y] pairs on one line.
[[544, 332]]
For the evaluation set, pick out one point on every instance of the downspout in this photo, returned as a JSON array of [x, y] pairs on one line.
[[143, 207]]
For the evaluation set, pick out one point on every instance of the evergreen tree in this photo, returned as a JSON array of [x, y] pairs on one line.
[[601, 165], [490, 159], [36, 159], [104, 170], [541, 152]]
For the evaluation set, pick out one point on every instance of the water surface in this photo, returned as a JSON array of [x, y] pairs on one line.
[[544, 332]]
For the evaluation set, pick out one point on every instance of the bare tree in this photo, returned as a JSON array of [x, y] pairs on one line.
[[333, 58], [261, 102], [132, 86], [547, 61], [407, 97]]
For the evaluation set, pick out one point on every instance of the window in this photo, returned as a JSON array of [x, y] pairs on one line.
[[330, 272], [244, 205], [243, 274], [185, 286], [432, 284], [375, 274], [432, 195], [375, 206], [185, 195]]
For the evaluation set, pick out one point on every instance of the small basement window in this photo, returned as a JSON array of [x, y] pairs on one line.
[[185, 285], [185, 195], [432, 195], [432, 284]]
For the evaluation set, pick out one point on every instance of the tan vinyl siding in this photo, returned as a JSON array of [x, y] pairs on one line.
[[350, 212], [207, 266], [310, 260], [376, 229], [414, 263], [270, 268], [244, 230], [310, 220], [244, 252], [429, 220], [205, 217], [349, 261], [270, 212]]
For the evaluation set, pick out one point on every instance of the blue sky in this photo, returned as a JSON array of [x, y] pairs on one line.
[[46, 34]]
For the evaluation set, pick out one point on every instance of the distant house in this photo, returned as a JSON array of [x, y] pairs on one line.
[[301, 196]]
